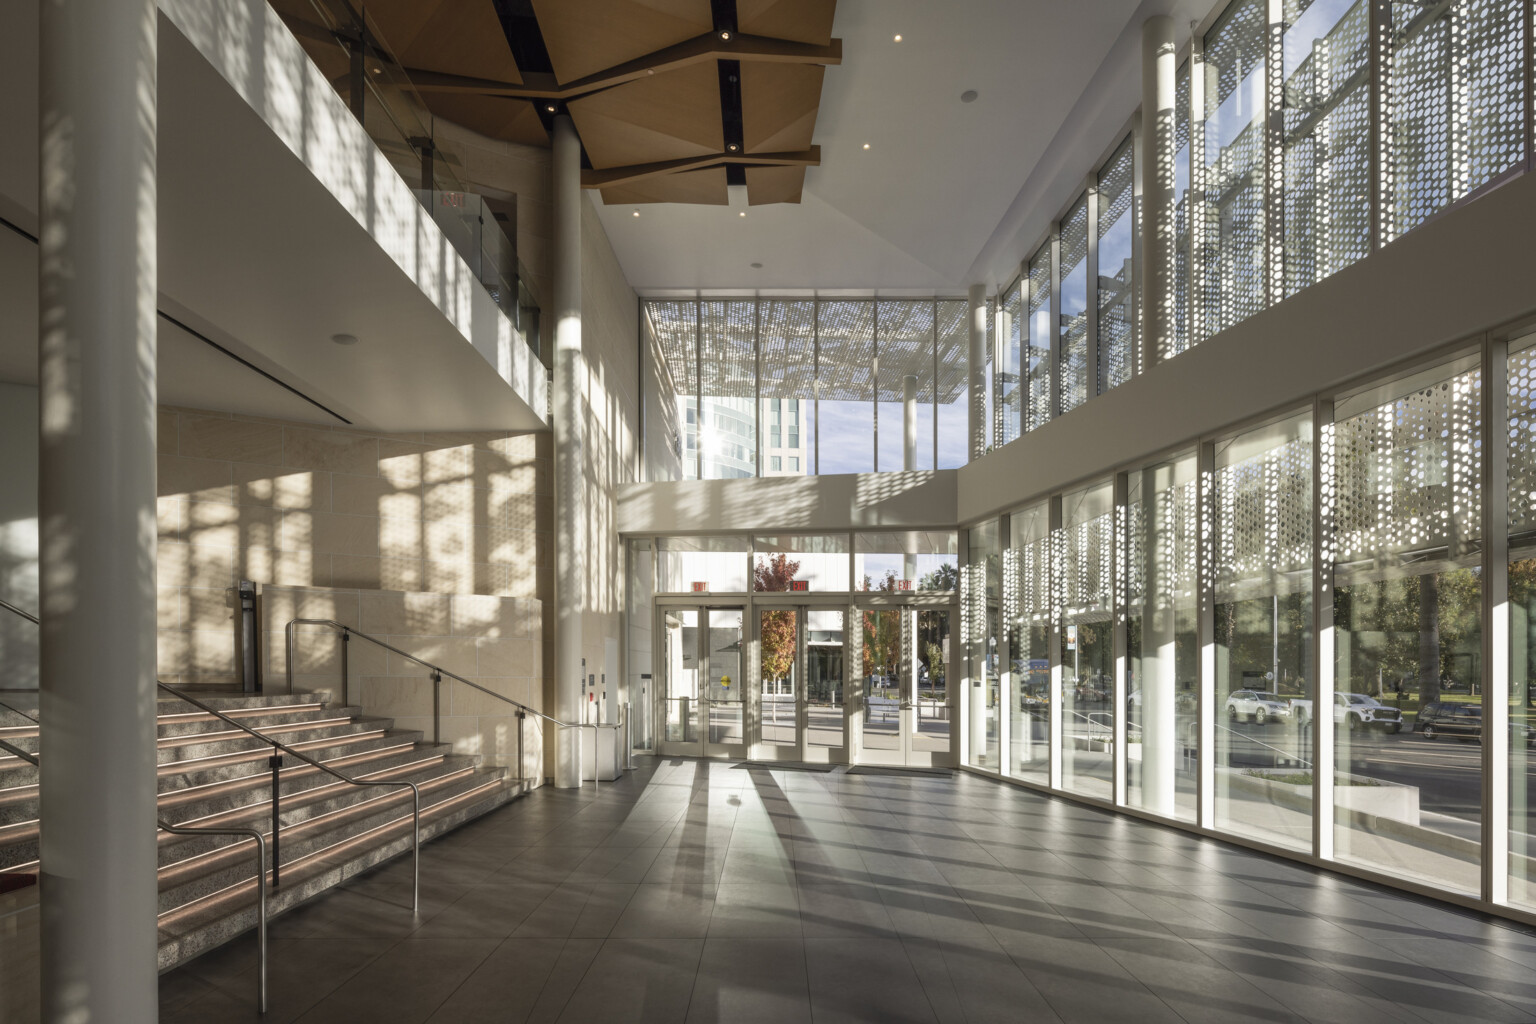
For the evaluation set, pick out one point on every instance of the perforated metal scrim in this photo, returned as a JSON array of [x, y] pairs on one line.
[[1327, 95], [1456, 106], [1262, 512], [1085, 573], [846, 332], [1074, 307], [787, 348], [1183, 332], [1037, 367], [676, 328], [1522, 441], [727, 349], [1118, 310], [905, 347], [1232, 226], [1407, 474], [953, 337]]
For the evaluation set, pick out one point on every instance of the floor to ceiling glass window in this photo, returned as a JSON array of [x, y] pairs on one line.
[[1073, 367], [1162, 647], [1041, 339], [1261, 576], [1232, 225], [702, 565], [1521, 508], [904, 348], [981, 594], [787, 378], [1027, 603], [1456, 109], [639, 628], [913, 559], [1010, 353], [676, 328], [1327, 126], [727, 410], [1119, 310], [845, 367], [1407, 709], [952, 384], [819, 561], [1083, 568]]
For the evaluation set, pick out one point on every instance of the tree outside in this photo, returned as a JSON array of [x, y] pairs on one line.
[[777, 640]]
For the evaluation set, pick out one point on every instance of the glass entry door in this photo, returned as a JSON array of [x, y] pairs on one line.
[[905, 697], [703, 681], [801, 685]]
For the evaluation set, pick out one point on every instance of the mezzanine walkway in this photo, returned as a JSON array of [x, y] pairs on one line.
[[692, 891]]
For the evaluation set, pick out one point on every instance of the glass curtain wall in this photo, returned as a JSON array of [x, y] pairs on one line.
[[1521, 510], [701, 565], [952, 380], [821, 562], [1041, 339], [1011, 330], [1232, 223], [1074, 369], [904, 348], [1083, 563], [676, 328], [845, 376], [1027, 597], [1118, 305], [981, 608], [787, 379], [1261, 575], [727, 390], [1327, 146], [1406, 475], [1182, 334], [910, 560], [1162, 534]]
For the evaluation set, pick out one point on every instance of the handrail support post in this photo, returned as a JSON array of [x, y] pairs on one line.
[[276, 764], [437, 708]]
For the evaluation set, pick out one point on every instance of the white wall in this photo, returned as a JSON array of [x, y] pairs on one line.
[[18, 534]]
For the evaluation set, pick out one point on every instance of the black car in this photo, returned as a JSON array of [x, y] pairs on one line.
[[1464, 721]]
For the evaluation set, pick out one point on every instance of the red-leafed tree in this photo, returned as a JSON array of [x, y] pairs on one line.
[[778, 627]]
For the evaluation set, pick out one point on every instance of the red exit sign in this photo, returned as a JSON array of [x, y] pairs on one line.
[[799, 585], [700, 587]]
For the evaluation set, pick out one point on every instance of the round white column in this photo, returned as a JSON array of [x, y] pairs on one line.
[[97, 286], [977, 365], [1158, 71]]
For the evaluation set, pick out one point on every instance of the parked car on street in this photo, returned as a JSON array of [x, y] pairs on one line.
[[1258, 706], [1361, 710], [1465, 722]]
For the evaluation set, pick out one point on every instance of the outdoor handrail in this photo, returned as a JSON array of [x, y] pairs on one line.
[[261, 893], [279, 745], [438, 672]]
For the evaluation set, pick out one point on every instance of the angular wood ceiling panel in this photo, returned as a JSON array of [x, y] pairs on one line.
[[498, 117], [804, 21], [584, 37], [778, 105], [456, 37], [669, 116], [706, 187], [774, 185]]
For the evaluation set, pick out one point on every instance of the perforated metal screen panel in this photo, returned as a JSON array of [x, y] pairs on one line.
[[1010, 383], [727, 349], [1182, 334], [1037, 366], [787, 340], [906, 348], [1522, 442], [676, 328], [1262, 511], [846, 333], [1119, 309], [1074, 306]]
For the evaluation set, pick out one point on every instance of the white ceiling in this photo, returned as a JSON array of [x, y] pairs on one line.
[[940, 179]]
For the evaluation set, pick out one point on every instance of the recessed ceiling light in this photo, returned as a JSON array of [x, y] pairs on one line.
[[897, 38], [866, 145], [725, 35], [732, 147], [550, 107], [637, 213], [344, 339], [378, 71], [743, 213], [969, 96]]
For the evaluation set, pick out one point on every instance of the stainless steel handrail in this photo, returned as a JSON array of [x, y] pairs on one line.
[[25, 755], [279, 745], [261, 894], [20, 611], [438, 672]]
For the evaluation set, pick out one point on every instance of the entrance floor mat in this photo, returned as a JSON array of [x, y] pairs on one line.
[[881, 769], [786, 766]]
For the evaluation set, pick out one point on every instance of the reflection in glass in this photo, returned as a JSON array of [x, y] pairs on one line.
[[1027, 591], [882, 658], [820, 561], [1261, 572], [1162, 733], [778, 645], [930, 703], [725, 679], [824, 667], [982, 597], [680, 639], [1522, 622], [1074, 368], [1083, 567], [1118, 310], [914, 560], [1010, 354], [1041, 336], [1406, 474]]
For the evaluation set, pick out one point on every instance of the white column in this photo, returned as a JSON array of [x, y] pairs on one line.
[[1159, 682], [96, 500], [977, 420], [1158, 71], [570, 479], [909, 421]]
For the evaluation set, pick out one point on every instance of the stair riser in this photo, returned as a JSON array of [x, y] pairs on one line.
[[256, 763], [194, 749]]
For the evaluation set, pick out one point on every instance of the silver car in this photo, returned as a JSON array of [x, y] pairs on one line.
[[1257, 706]]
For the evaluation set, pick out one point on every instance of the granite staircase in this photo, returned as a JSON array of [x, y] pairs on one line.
[[212, 775]]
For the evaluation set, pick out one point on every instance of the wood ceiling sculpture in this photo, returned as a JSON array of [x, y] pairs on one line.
[[673, 99]]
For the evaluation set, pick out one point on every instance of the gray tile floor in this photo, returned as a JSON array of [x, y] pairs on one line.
[[692, 891]]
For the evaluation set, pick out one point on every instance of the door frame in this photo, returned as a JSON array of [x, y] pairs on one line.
[[802, 749], [700, 746], [906, 754]]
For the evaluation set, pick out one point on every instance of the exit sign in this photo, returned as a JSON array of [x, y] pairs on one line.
[[700, 587], [799, 585], [903, 584]]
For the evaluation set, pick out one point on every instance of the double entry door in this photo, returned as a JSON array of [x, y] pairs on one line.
[[905, 708]]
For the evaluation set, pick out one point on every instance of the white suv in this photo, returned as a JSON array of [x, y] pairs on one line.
[[1258, 706], [1355, 711]]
